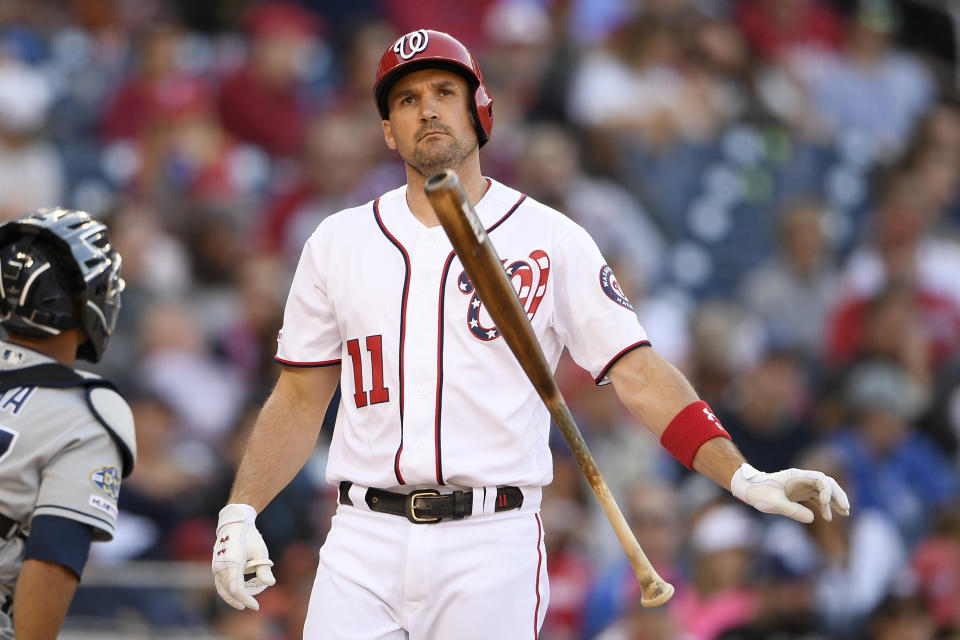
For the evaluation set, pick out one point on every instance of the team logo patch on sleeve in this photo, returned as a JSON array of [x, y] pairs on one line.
[[611, 287], [107, 480]]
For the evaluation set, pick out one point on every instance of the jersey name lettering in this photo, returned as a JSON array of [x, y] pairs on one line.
[[13, 400]]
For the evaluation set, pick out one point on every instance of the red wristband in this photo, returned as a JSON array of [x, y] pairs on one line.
[[694, 425]]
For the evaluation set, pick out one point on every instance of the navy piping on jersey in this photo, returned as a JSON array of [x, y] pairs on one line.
[[440, 316], [83, 513], [436, 421], [60, 540], [536, 585], [403, 324], [322, 363], [613, 361]]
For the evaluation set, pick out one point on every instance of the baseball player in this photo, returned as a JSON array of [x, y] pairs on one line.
[[66, 436], [440, 445]]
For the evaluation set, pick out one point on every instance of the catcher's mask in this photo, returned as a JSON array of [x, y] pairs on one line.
[[58, 271]]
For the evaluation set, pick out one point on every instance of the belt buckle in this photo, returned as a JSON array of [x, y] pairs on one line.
[[410, 507]]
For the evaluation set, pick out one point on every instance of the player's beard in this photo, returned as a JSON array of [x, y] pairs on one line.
[[431, 159]]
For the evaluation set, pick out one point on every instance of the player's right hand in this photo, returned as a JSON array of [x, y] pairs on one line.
[[782, 492], [240, 549]]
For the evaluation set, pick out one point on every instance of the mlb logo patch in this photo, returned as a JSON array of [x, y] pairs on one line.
[[107, 480]]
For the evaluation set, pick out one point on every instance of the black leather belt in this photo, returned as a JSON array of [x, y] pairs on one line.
[[8, 527], [427, 506]]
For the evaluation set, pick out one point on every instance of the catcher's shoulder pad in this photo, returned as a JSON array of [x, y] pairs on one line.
[[112, 411], [103, 399]]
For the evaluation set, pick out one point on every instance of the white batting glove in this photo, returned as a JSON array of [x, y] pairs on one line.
[[240, 549], [781, 492]]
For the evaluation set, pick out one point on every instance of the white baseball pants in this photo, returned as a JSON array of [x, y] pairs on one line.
[[382, 577]]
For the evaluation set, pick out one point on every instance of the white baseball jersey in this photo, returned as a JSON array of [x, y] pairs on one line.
[[57, 458], [432, 395]]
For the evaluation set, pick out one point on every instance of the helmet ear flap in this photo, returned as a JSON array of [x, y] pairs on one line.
[[482, 113]]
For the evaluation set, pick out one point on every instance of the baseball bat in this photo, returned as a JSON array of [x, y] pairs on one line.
[[486, 272]]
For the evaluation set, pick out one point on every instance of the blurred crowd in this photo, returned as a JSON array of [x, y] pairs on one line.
[[777, 183]]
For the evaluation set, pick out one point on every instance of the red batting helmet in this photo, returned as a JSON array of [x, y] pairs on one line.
[[424, 49]]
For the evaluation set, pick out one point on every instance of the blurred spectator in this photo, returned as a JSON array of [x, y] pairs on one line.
[[176, 364], [904, 260], [873, 89], [248, 339], [851, 563], [795, 290], [765, 411], [641, 623], [159, 494], [942, 421], [524, 69], [859, 561], [933, 157], [887, 326], [263, 102], [550, 170], [626, 452], [342, 150], [892, 467], [189, 160], [465, 19], [901, 617], [364, 46], [521, 44], [725, 340], [936, 565], [31, 175], [652, 511], [158, 83], [900, 245], [155, 264], [778, 30], [720, 50], [637, 84], [721, 596]]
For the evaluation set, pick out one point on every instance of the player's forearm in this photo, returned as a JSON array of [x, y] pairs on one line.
[[283, 437], [655, 392], [43, 596], [280, 444], [651, 388]]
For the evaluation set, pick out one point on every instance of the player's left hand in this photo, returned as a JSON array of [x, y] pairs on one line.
[[781, 492], [240, 549]]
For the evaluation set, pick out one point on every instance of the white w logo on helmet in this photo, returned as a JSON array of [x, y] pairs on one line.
[[411, 44]]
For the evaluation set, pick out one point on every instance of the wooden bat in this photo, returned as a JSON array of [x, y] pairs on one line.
[[486, 272]]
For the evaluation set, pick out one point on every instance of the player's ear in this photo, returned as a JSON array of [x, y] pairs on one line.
[[388, 135]]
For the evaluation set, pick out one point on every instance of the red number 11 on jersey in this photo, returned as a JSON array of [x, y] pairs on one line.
[[379, 393]]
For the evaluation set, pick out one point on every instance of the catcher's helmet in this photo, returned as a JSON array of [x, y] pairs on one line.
[[423, 49], [58, 271]]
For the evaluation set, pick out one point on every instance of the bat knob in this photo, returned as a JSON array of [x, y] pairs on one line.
[[658, 595], [446, 179]]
